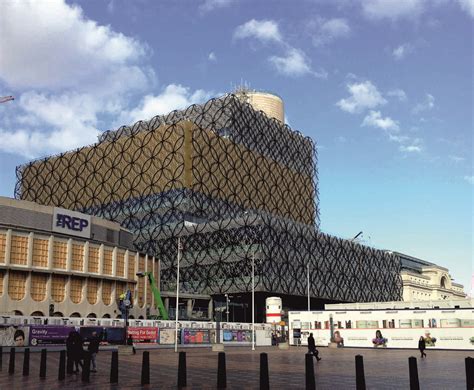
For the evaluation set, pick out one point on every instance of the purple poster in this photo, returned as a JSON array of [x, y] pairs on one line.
[[49, 335]]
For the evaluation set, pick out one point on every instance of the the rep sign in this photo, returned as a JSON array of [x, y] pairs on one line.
[[71, 223]]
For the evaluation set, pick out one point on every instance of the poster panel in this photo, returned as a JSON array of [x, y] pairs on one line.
[[196, 336], [14, 336], [231, 335], [114, 335], [167, 336], [49, 335], [145, 334]]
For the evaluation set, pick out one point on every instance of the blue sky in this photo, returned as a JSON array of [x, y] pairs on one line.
[[384, 87]]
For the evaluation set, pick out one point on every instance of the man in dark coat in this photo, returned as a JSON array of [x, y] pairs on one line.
[[422, 346], [312, 347], [94, 350]]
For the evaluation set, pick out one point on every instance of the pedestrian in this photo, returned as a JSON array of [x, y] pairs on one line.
[[77, 351], [70, 350], [274, 339], [312, 347], [422, 346], [93, 349]]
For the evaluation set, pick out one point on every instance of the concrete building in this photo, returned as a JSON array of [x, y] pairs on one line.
[[62, 263], [424, 281]]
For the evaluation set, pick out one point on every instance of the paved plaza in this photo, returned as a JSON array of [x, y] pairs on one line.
[[384, 369]]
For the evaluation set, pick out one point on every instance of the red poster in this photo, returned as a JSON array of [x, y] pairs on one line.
[[143, 334]]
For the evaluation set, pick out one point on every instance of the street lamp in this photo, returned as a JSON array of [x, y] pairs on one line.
[[309, 301], [253, 301], [177, 296]]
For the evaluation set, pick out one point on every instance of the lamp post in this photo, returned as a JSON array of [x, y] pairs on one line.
[[309, 301], [177, 296], [253, 301]]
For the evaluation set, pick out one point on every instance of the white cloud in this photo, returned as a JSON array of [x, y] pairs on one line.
[[467, 6], [375, 119], [402, 51], [427, 104], [364, 95], [212, 57], [456, 159], [392, 9], [295, 63], [410, 148], [57, 47], [469, 179], [173, 97], [70, 76], [326, 31], [398, 93], [263, 30], [211, 5]]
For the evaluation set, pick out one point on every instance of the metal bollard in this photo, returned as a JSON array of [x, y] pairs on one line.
[[182, 370], [1, 357], [114, 368], [221, 371], [11, 365], [360, 375], [469, 373], [26, 362], [309, 370], [414, 381], [86, 370], [264, 378], [43, 364], [62, 366], [146, 368]]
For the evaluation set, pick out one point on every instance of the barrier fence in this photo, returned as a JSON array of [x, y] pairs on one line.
[[221, 383]]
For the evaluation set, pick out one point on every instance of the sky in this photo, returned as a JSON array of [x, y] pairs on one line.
[[384, 88]]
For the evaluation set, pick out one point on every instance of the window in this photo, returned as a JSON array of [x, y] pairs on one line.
[[19, 250], [38, 286], [120, 263], [107, 262], [93, 259], [3, 246], [76, 289], [92, 289], [40, 252], [16, 285], [59, 254], [58, 288], [77, 257], [107, 292]]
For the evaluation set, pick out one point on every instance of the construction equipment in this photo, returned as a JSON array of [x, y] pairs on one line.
[[156, 294]]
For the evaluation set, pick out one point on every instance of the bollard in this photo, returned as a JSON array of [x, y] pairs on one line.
[[264, 379], [309, 369], [1, 357], [69, 364], [469, 373], [360, 376], [146, 368], [221, 373], [114, 368], [62, 366], [414, 382], [86, 370], [11, 365], [26, 362], [182, 370], [43, 364]]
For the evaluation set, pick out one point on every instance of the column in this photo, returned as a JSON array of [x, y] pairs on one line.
[[167, 304], [29, 255], [8, 246], [189, 308], [50, 252], [69, 255], [210, 309]]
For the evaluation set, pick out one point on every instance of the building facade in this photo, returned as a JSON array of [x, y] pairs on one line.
[[424, 281], [235, 185], [49, 266]]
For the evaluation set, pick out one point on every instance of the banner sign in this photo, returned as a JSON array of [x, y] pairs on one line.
[[48, 335], [194, 336], [71, 223], [237, 335], [14, 336], [143, 334]]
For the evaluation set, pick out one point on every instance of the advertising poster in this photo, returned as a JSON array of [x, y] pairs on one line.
[[195, 336], [143, 334], [114, 335], [237, 336], [49, 335], [167, 336], [14, 336]]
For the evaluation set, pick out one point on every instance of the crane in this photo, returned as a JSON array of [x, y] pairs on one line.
[[156, 293], [4, 99]]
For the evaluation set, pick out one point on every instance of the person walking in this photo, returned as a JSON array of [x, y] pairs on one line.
[[422, 346], [77, 351], [312, 347], [93, 349]]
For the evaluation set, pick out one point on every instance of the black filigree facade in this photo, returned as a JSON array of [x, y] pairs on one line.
[[234, 185]]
